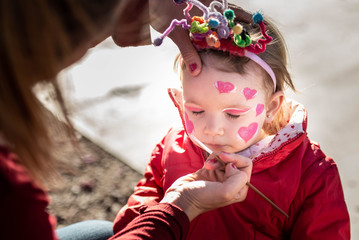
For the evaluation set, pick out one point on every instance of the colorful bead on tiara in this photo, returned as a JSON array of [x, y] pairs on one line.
[[220, 31]]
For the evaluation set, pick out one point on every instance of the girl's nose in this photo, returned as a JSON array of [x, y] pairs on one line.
[[213, 127]]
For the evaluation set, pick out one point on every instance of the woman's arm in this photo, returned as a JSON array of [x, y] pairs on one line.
[[187, 198], [148, 191], [163, 221]]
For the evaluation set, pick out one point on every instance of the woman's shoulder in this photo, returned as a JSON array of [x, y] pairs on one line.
[[10, 169], [22, 200], [14, 179]]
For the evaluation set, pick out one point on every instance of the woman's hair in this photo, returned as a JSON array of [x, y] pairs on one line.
[[37, 40], [275, 56]]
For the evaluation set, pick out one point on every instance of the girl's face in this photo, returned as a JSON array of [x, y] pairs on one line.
[[225, 110]]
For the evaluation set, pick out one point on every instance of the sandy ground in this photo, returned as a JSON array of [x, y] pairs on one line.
[[118, 96], [94, 184]]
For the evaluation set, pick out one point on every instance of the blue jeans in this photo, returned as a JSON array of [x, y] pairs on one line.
[[89, 230]]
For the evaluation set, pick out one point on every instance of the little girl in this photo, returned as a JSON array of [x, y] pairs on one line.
[[237, 106]]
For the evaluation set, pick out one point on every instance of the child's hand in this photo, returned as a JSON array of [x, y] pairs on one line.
[[205, 189]]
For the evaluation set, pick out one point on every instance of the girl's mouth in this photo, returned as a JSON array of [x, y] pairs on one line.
[[215, 147]]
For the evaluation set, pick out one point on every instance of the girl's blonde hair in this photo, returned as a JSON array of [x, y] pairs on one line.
[[275, 56], [37, 40]]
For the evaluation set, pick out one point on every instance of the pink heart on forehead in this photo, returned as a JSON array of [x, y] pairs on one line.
[[246, 133], [249, 93], [224, 87]]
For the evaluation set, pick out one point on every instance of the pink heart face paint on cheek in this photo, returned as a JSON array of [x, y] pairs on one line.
[[225, 87], [189, 124], [259, 109], [249, 93], [246, 133]]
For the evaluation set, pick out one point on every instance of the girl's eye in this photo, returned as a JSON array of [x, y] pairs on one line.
[[194, 110], [235, 113], [197, 112], [233, 116]]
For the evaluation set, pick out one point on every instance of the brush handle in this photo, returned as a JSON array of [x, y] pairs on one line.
[[267, 199]]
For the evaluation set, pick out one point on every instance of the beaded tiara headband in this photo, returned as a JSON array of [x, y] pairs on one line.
[[221, 31]]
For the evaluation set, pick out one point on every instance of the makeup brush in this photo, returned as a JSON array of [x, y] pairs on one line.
[[210, 152]]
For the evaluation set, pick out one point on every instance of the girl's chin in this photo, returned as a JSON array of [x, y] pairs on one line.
[[227, 150]]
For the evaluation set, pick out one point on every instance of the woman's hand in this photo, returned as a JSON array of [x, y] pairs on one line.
[[161, 15], [225, 158], [163, 12], [131, 27], [205, 189]]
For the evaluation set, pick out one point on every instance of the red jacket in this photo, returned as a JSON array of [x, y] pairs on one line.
[[292, 171]]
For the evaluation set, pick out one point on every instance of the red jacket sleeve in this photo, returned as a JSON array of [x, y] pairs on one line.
[[162, 221], [323, 213], [23, 203], [148, 191]]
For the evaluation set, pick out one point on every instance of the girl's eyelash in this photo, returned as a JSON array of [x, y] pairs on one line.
[[233, 116], [197, 113]]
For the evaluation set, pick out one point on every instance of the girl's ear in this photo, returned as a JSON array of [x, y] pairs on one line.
[[273, 106], [178, 97]]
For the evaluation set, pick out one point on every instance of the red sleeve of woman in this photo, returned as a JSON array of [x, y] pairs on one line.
[[162, 221], [22, 203]]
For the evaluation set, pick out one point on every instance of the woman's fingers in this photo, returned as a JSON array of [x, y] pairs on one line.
[[241, 162], [235, 183], [211, 163], [162, 13], [189, 54], [238, 160]]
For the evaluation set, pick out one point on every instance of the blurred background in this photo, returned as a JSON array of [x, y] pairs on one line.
[[118, 96]]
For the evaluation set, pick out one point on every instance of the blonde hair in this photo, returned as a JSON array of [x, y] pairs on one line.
[[275, 56], [37, 41]]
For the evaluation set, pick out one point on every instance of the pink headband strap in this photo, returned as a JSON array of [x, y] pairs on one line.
[[263, 64]]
